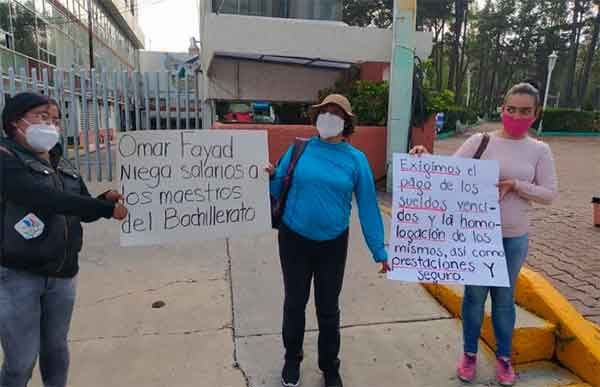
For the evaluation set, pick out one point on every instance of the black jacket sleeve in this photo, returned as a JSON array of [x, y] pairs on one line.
[[86, 193], [21, 188]]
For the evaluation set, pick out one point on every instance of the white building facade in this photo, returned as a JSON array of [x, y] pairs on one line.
[[54, 34], [282, 50]]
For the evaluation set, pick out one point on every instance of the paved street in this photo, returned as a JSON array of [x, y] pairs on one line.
[[565, 246], [220, 320]]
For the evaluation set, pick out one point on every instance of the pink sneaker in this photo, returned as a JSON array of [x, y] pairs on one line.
[[505, 374], [467, 367]]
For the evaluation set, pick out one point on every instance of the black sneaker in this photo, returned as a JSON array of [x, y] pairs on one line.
[[290, 375], [333, 379]]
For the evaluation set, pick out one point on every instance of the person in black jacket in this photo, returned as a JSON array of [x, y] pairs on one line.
[[43, 202]]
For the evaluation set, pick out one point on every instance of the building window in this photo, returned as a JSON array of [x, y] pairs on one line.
[[6, 37], [23, 21], [297, 9]]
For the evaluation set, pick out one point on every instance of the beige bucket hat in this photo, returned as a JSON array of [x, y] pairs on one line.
[[335, 99]]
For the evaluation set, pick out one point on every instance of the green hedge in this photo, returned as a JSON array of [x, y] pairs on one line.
[[457, 113], [570, 120], [370, 103], [369, 100]]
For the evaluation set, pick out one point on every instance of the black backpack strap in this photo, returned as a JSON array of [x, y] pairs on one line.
[[299, 146], [485, 140]]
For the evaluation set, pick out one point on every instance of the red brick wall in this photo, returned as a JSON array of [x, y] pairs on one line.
[[373, 71], [372, 140]]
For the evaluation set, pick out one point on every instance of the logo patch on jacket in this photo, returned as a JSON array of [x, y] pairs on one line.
[[30, 227]]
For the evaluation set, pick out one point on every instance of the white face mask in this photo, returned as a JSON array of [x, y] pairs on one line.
[[41, 137], [329, 125]]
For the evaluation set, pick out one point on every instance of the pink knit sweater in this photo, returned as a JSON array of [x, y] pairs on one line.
[[527, 161]]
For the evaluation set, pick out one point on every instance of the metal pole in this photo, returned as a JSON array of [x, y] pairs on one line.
[[96, 124], [90, 34], [157, 103], [178, 125], [187, 101], [550, 70], [401, 81], [73, 122], [168, 101], [107, 126], [136, 95], [23, 80], [197, 102], [146, 78], [86, 124], [12, 81], [125, 92], [34, 81]]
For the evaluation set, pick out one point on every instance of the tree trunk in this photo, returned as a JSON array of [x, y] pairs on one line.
[[589, 60], [462, 68], [574, 48], [480, 82], [454, 58], [440, 69]]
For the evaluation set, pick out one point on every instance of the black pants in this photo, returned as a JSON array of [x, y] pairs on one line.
[[301, 260]]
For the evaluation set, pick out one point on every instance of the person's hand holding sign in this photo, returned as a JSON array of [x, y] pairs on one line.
[[385, 267], [112, 196], [418, 150], [505, 187], [270, 169], [120, 212]]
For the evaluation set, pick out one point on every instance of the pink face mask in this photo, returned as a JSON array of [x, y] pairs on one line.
[[516, 127]]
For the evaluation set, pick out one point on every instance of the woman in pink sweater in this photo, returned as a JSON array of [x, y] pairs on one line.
[[527, 174]]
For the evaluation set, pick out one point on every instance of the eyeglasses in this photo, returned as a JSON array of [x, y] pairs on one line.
[[43, 117], [524, 111], [39, 115]]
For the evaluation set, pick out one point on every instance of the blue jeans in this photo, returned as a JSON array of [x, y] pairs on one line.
[[35, 314], [503, 302]]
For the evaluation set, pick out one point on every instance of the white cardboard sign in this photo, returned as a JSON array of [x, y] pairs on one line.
[[192, 185], [446, 222]]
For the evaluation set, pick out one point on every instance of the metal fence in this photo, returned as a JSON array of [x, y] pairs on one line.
[[96, 105]]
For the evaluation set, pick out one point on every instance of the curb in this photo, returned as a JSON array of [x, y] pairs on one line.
[[530, 344], [574, 340], [568, 134], [445, 135], [577, 340]]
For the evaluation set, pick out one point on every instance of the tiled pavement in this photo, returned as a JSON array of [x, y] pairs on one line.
[[565, 246]]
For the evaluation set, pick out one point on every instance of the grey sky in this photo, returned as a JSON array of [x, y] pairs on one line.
[[169, 24]]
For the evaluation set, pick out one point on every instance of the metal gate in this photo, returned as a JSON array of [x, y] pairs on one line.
[[96, 105]]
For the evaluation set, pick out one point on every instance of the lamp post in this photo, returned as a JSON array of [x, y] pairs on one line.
[[551, 63], [468, 86]]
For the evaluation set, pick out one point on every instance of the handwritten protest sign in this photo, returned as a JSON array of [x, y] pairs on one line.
[[192, 185], [446, 222]]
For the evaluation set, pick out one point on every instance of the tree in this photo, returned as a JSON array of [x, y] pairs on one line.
[[433, 15], [365, 13], [585, 76], [580, 7], [460, 7]]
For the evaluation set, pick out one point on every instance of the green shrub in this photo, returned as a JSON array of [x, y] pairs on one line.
[[369, 100], [458, 113], [370, 103], [557, 120], [439, 101]]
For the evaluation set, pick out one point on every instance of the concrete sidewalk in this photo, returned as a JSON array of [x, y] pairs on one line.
[[221, 323]]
